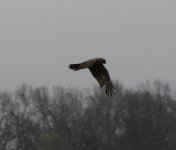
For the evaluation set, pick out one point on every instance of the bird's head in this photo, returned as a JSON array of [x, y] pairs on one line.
[[103, 61]]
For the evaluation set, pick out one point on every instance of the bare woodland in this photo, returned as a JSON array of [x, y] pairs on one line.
[[143, 118]]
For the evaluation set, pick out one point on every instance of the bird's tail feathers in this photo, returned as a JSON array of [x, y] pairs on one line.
[[74, 67]]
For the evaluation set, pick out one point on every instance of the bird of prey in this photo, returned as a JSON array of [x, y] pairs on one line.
[[98, 70]]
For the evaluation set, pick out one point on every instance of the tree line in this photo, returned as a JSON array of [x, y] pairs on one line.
[[143, 118]]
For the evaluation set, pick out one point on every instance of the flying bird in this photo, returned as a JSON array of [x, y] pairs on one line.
[[98, 70]]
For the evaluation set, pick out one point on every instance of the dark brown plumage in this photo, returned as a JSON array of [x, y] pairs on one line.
[[98, 70]]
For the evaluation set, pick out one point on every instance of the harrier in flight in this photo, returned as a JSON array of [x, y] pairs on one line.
[[98, 70]]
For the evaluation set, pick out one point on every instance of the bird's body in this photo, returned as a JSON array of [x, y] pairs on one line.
[[98, 70]]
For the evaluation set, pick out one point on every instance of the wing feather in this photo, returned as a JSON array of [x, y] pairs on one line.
[[102, 76]]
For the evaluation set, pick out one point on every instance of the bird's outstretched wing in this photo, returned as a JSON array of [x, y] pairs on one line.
[[103, 78]]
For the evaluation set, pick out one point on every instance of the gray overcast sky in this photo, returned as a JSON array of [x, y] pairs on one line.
[[39, 38]]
